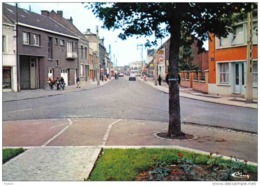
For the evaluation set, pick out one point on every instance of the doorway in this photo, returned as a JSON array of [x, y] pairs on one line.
[[239, 78], [33, 73]]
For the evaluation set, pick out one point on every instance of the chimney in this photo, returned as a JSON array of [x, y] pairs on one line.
[[71, 20], [45, 13], [60, 13]]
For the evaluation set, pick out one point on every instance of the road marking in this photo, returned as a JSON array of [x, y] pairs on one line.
[[108, 132], [58, 125], [22, 110], [58, 134]]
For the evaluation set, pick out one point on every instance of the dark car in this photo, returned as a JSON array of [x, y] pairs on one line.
[[132, 77]]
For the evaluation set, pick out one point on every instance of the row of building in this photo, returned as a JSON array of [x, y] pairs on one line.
[[37, 47], [220, 70]]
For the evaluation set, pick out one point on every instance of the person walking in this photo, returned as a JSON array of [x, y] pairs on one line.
[[167, 79], [58, 83], [51, 83], [77, 82], [160, 80], [62, 84]]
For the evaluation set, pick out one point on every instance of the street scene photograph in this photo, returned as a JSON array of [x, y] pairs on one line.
[[133, 92]]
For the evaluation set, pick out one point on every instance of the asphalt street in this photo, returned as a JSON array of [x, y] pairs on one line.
[[123, 99]]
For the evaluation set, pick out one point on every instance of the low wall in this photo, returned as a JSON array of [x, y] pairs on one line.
[[195, 80]]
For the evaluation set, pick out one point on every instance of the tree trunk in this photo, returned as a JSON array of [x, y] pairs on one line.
[[174, 99]]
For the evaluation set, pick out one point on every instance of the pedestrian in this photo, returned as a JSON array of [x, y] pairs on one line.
[[179, 79], [58, 83], [167, 79], [160, 80], [62, 84], [51, 83], [77, 81]]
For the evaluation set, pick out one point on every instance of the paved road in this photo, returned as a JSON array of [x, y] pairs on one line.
[[123, 99]]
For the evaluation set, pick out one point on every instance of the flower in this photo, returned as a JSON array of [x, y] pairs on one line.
[[180, 154], [174, 173], [210, 153], [245, 161]]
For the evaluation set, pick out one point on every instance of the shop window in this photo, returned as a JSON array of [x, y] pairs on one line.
[[6, 78]]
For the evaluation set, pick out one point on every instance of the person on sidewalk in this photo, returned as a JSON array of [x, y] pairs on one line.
[[62, 84], [58, 83], [51, 83], [160, 80], [77, 81], [167, 79]]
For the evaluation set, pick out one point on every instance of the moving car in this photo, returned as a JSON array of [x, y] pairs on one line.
[[132, 77], [121, 75]]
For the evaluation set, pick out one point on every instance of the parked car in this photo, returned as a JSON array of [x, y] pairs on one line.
[[121, 75], [132, 77]]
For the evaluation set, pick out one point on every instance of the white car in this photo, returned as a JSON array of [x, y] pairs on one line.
[[132, 77], [121, 75]]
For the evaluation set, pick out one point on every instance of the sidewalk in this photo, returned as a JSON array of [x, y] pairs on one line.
[[192, 94], [38, 93]]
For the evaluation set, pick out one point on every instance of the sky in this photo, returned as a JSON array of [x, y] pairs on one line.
[[122, 51]]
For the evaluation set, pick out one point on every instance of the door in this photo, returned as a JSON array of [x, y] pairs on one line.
[[239, 78], [64, 74], [32, 73]]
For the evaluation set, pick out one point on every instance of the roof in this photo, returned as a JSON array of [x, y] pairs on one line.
[[66, 23], [37, 21]]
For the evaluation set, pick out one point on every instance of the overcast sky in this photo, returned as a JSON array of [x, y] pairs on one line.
[[123, 51]]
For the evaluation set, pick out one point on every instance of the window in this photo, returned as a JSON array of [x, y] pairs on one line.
[[56, 41], [81, 52], [238, 37], [4, 44], [224, 73], [6, 77], [255, 72], [69, 47], [26, 38], [36, 40], [86, 53], [62, 42], [50, 49], [81, 70]]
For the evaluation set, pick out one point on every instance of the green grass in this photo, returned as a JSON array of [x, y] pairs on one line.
[[125, 164], [11, 153]]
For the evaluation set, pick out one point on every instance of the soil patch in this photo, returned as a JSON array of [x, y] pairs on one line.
[[183, 137]]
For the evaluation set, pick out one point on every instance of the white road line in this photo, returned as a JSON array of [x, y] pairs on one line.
[[22, 110], [58, 125], [58, 134], [108, 132]]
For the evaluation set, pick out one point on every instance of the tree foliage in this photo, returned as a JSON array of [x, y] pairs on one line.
[[148, 19]]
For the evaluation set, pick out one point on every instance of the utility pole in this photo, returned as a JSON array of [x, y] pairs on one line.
[[98, 67], [249, 66], [17, 52], [141, 45], [110, 60]]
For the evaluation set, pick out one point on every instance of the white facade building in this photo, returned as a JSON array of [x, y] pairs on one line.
[[9, 58]]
